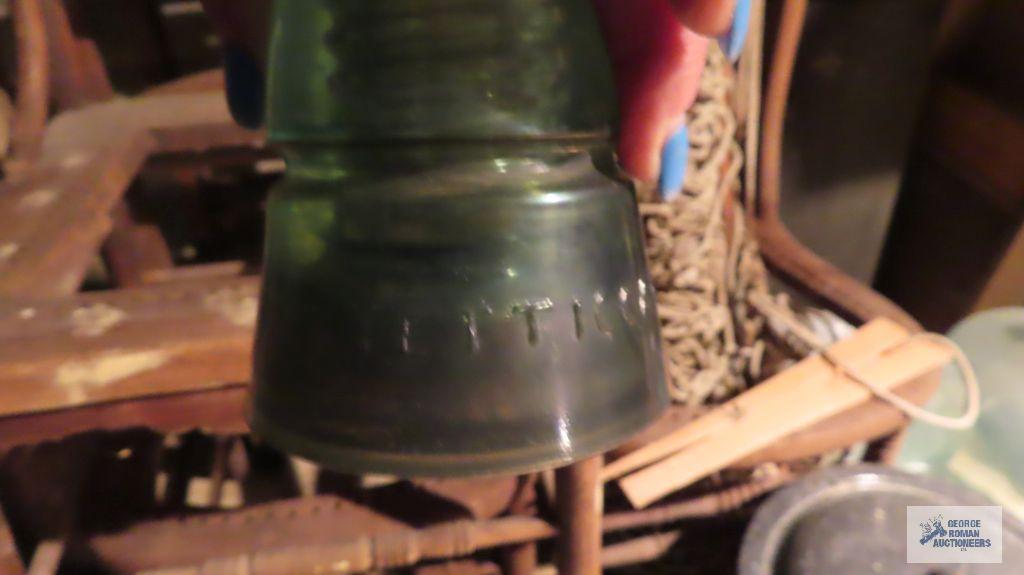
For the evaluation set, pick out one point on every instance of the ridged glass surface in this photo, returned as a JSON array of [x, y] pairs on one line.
[[437, 68], [452, 286]]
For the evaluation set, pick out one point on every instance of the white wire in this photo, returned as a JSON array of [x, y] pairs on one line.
[[970, 381]]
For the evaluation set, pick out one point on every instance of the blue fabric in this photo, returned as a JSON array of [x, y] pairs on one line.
[[733, 40], [245, 86], [673, 163]]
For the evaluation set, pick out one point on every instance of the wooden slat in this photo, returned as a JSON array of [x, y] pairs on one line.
[[106, 346], [219, 411], [863, 346], [869, 421], [801, 396]]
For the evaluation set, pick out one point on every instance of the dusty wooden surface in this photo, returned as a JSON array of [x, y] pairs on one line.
[[108, 346]]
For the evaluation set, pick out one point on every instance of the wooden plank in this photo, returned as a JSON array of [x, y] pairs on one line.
[[807, 393], [869, 421], [863, 346], [106, 346], [219, 411]]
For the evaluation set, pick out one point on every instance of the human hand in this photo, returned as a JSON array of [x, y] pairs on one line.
[[658, 50]]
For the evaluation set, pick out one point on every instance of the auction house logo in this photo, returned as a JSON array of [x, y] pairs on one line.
[[954, 534]]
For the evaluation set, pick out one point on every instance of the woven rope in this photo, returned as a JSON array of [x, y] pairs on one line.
[[704, 270], [714, 303]]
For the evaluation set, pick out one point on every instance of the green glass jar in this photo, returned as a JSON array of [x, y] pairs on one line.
[[453, 284]]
